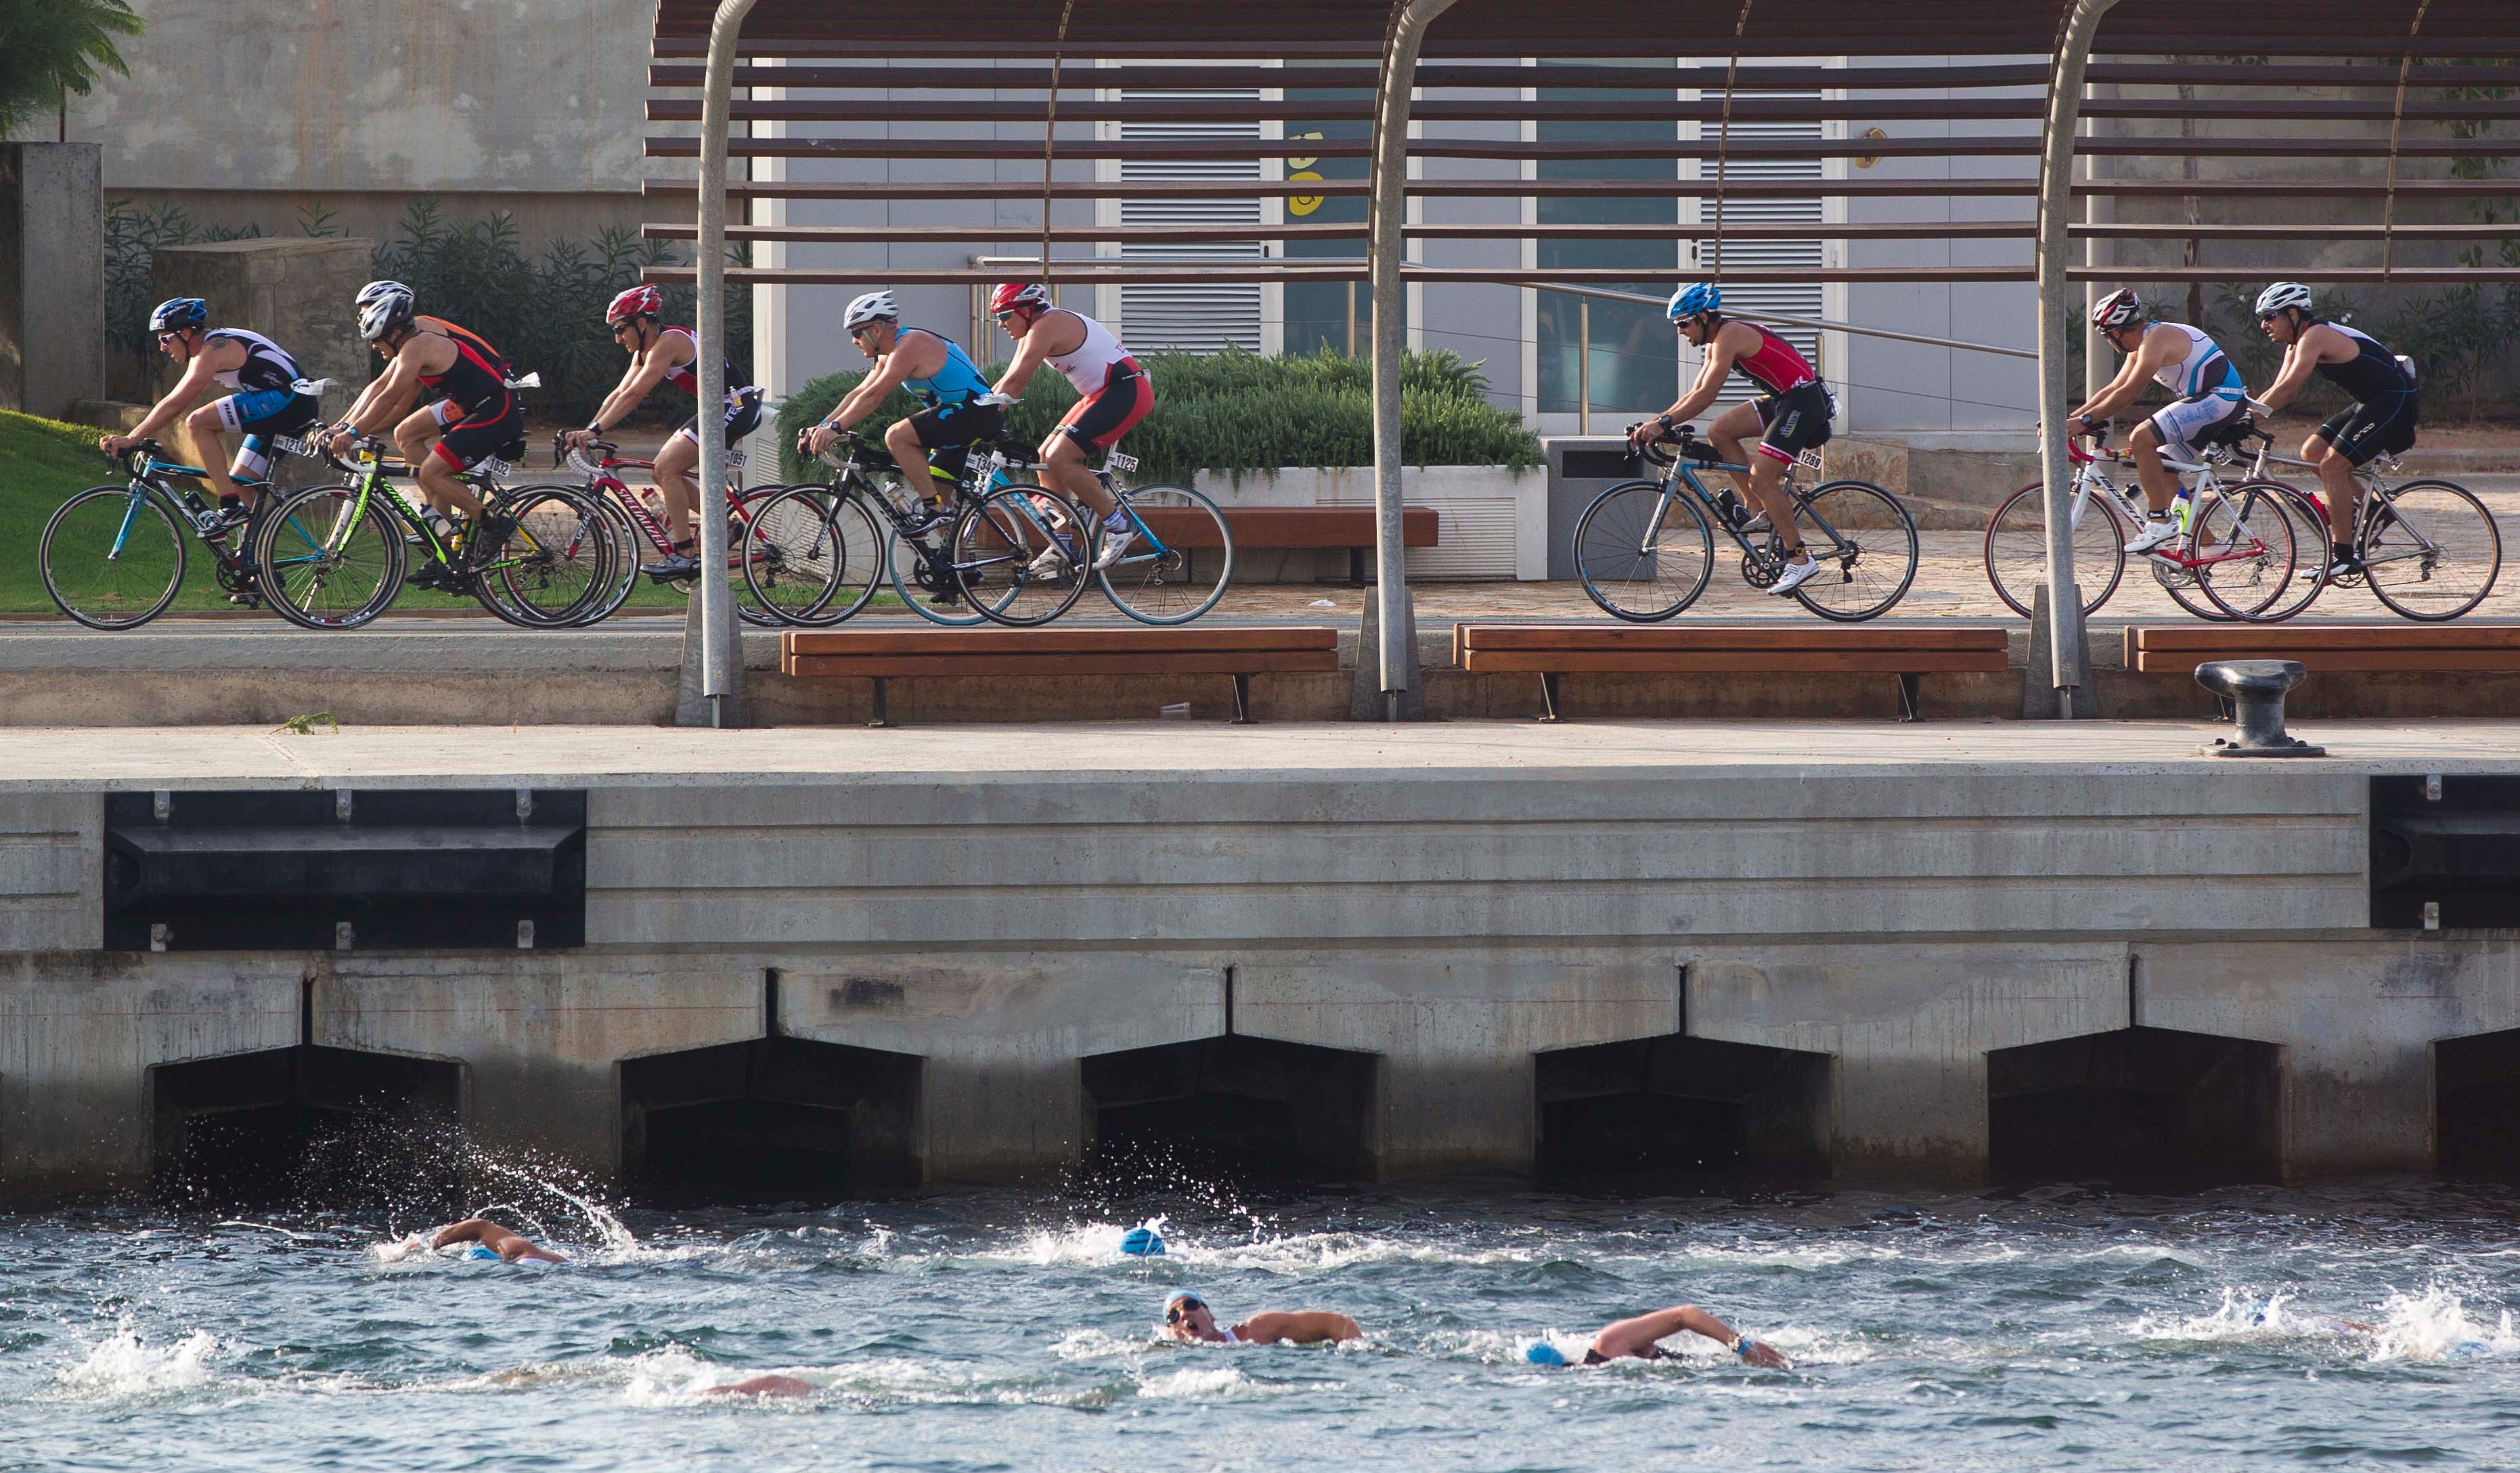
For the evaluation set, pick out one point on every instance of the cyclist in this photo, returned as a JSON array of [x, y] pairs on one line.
[[2382, 419], [1113, 394], [1791, 414], [959, 411], [659, 354], [268, 400], [482, 413], [2207, 397]]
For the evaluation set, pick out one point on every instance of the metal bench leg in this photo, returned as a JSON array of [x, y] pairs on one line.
[[1356, 567], [1549, 699], [1911, 704], [880, 719], [1243, 701]]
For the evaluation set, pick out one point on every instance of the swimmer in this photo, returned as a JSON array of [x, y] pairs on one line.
[[1186, 1317], [1637, 1336], [763, 1386], [511, 1247]]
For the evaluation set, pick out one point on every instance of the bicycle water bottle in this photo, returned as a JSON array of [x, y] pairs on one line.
[[2181, 505]]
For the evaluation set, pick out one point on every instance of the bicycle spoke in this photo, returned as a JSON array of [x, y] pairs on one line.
[[113, 560], [2017, 547], [1640, 558], [2435, 553], [1178, 560], [328, 560], [1866, 544], [1022, 555], [2258, 556], [554, 564]]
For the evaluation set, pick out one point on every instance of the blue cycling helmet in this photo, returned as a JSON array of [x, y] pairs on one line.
[[179, 312], [1689, 301]]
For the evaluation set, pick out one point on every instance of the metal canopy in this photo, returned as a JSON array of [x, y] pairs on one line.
[[1066, 54]]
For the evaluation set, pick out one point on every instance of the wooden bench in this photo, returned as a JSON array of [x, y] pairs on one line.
[[1554, 650], [1298, 528], [2326, 648], [882, 654]]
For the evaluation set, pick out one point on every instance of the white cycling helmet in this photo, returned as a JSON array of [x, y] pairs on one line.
[[2117, 309], [868, 308], [2280, 296], [387, 310], [374, 291]]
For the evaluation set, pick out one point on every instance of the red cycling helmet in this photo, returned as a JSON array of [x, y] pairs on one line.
[[1012, 295], [642, 301]]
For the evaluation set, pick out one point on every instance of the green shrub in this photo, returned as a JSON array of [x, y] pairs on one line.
[[1240, 412]]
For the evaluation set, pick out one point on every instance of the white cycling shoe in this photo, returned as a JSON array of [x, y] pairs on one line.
[[1053, 561], [1795, 576], [2157, 533], [1115, 544]]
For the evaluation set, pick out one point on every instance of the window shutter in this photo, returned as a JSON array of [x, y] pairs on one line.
[[1193, 317]]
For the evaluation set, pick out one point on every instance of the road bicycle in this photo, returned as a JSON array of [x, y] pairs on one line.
[[2245, 549], [1158, 577], [113, 556], [879, 532], [793, 588], [1645, 551], [2428, 549], [336, 557]]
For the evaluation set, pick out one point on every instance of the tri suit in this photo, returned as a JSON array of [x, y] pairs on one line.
[[2208, 394], [2384, 413], [743, 400], [267, 402], [1114, 392], [954, 419], [481, 416], [1795, 407]]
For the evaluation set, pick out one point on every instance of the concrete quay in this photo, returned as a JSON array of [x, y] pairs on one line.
[[1946, 952]]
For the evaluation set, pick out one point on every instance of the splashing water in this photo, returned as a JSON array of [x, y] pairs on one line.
[[124, 1366]]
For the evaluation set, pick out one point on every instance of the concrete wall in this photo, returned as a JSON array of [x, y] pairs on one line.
[[358, 107], [1901, 920], [294, 292], [52, 277]]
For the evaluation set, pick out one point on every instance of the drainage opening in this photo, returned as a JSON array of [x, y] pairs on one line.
[[2148, 1107], [1240, 1109], [1674, 1110], [2476, 1106], [306, 1125], [777, 1117]]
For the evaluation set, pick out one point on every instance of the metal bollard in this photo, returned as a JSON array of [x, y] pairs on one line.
[[2255, 690]]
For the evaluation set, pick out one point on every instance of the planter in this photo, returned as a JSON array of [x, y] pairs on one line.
[[1495, 519]]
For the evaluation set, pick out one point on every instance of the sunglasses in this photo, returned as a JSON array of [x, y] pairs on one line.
[[164, 338], [1180, 1311]]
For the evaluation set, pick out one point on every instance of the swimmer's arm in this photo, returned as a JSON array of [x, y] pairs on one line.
[[1628, 1337], [511, 1246], [762, 1386], [1297, 1328], [468, 1230]]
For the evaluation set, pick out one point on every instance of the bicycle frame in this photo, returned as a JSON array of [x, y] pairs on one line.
[[602, 481], [1684, 470], [1114, 461], [2374, 509], [2201, 479]]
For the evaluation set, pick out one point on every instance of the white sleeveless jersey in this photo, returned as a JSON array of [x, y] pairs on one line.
[[2182, 377], [1088, 367]]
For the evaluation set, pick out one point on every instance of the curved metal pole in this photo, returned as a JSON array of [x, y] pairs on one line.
[[2055, 204], [722, 664], [1387, 243]]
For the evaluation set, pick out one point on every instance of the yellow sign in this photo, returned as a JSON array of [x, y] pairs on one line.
[[1303, 205]]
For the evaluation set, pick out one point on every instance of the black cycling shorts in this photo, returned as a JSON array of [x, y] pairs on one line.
[[2386, 424], [1796, 421], [482, 433], [947, 432], [743, 418]]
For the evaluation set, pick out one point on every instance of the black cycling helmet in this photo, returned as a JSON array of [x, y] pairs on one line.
[[178, 312]]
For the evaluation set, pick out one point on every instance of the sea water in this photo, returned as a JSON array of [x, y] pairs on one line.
[[985, 1330]]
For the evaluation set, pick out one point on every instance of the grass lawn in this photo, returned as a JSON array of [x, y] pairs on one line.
[[43, 462]]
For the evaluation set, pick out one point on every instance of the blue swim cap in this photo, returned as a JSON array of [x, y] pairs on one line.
[[1141, 1242], [483, 1253], [1542, 1353]]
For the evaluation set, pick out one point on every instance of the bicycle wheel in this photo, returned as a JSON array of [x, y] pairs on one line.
[[2288, 568], [2016, 548], [920, 581], [816, 555], [623, 575], [1179, 561], [1635, 569], [1871, 541], [113, 557], [2436, 552], [1023, 555], [328, 557], [554, 564]]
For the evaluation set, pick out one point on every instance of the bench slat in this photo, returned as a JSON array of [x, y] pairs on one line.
[[2222, 641], [1185, 663], [1737, 662], [1077, 639], [1296, 527], [1694, 637], [2337, 661]]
